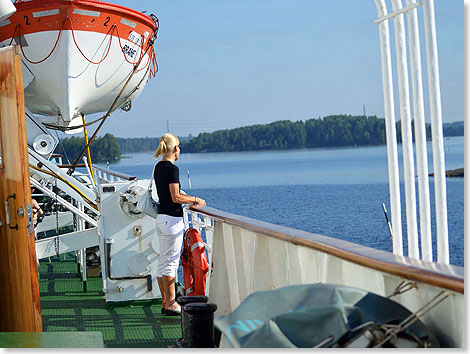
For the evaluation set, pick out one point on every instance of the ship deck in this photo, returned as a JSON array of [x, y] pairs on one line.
[[66, 307]]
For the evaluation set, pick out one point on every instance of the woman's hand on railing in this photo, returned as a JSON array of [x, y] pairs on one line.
[[199, 203]]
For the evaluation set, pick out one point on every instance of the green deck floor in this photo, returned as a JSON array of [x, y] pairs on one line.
[[66, 307]]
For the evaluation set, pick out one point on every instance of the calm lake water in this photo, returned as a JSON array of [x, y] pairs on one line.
[[336, 192]]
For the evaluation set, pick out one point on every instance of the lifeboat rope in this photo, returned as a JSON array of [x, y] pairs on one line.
[[142, 53], [152, 59], [154, 64], [63, 129], [152, 73], [21, 44], [58, 127], [110, 33], [111, 108]]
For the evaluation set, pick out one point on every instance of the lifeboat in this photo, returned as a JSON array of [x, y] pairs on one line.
[[80, 57]]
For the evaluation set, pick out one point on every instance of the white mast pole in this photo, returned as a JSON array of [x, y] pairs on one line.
[[437, 135], [407, 144], [391, 133], [420, 133]]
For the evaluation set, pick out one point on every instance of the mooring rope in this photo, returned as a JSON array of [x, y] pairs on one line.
[[393, 330]]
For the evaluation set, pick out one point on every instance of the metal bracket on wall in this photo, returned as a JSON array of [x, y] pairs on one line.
[[29, 216]]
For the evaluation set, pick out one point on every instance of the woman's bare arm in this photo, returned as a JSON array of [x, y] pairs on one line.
[[179, 198]]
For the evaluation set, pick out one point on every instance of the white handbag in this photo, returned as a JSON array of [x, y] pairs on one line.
[[146, 204]]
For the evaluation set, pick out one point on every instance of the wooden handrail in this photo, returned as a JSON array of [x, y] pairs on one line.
[[449, 277]]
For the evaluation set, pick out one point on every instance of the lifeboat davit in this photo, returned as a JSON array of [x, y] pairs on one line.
[[79, 54]]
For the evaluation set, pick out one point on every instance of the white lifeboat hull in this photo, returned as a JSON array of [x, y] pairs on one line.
[[78, 54]]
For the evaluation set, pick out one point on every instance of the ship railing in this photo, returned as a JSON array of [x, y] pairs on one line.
[[248, 255], [107, 175], [411, 99]]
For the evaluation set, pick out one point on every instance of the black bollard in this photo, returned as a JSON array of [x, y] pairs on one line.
[[199, 325], [182, 301]]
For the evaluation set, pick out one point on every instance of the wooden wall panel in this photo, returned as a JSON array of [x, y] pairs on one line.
[[20, 309]]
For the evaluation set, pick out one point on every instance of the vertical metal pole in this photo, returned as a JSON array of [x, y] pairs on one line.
[[81, 226], [437, 135], [189, 180], [407, 143], [92, 179], [391, 133], [88, 150], [209, 230], [186, 217], [420, 133]]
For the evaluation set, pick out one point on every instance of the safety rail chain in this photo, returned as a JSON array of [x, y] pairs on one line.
[[445, 276], [111, 175]]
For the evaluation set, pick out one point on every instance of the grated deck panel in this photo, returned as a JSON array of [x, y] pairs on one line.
[[66, 307]]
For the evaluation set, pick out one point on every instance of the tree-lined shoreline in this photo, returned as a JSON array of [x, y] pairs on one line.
[[330, 131]]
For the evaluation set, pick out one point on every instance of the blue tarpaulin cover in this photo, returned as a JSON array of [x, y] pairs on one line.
[[304, 316]]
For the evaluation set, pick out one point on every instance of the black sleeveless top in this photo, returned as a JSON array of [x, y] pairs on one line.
[[165, 174]]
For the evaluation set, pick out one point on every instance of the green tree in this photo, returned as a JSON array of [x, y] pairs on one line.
[[102, 148]]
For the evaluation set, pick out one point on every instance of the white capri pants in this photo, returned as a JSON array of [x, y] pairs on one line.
[[170, 230]]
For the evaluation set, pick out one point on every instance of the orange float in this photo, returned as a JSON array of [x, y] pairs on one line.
[[194, 262]]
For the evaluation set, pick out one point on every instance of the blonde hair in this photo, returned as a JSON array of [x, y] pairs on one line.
[[167, 143]]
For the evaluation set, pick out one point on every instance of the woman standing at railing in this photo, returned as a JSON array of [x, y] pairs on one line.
[[170, 225]]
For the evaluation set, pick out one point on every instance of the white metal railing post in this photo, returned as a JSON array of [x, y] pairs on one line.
[[80, 227], [437, 135], [407, 139], [420, 132], [90, 174], [186, 217], [391, 134], [209, 229]]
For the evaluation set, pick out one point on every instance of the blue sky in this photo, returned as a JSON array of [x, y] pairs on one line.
[[225, 64]]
